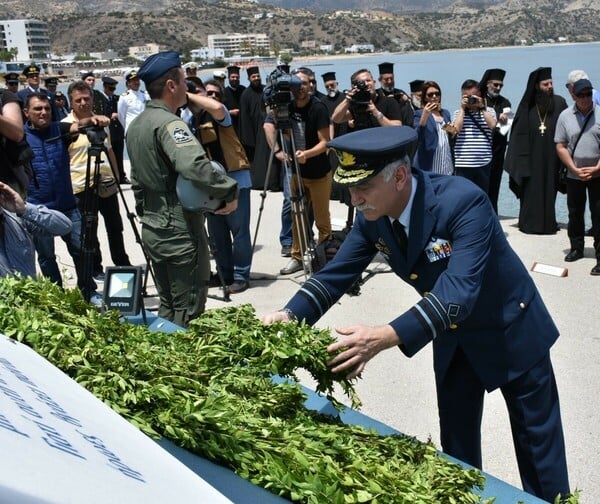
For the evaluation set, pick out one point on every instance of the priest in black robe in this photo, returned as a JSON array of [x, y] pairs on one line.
[[531, 159], [232, 95], [490, 86], [252, 134]]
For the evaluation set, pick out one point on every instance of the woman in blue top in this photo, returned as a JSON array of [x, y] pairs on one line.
[[432, 123]]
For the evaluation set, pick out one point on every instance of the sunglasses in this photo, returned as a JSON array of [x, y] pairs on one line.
[[213, 93], [585, 94], [433, 94], [497, 84]]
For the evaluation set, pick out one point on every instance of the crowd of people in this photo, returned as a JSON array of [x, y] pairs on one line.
[[265, 144]]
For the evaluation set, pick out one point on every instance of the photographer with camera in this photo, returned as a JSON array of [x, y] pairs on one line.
[[308, 131], [363, 108], [474, 123], [84, 187]]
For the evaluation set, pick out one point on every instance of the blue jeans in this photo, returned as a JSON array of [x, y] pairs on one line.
[[285, 235], [230, 235], [44, 246]]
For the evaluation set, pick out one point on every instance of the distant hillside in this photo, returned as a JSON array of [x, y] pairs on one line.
[[185, 24]]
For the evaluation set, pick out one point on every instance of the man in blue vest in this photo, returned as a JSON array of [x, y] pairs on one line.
[[480, 308], [52, 185]]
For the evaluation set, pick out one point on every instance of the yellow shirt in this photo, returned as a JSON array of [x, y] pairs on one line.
[[78, 152]]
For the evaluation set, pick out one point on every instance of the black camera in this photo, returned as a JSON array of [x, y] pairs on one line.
[[278, 90], [95, 134], [362, 96], [472, 100], [278, 94]]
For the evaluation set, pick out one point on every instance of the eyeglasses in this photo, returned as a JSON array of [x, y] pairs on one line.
[[433, 94], [213, 93], [585, 94], [497, 84]]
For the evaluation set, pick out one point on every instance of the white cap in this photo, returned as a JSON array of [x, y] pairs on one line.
[[219, 74], [576, 75]]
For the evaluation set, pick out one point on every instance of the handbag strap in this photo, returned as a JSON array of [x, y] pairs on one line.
[[587, 119], [474, 119]]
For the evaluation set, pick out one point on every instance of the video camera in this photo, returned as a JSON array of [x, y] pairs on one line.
[[95, 134], [362, 96], [278, 93]]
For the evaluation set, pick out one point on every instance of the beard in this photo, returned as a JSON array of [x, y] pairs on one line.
[[544, 101], [415, 101], [492, 93]]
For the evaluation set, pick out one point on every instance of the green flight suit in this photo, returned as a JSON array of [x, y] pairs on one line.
[[161, 146]]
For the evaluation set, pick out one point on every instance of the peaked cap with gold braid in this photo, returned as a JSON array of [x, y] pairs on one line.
[[363, 154]]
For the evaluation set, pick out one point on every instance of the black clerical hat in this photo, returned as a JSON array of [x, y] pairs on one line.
[[543, 73], [233, 70], [386, 68], [251, 70], [328, 76], [416, 85]]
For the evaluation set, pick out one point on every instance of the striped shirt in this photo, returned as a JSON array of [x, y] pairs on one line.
[[473, 145]]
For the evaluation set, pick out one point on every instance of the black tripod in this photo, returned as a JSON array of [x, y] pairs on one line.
[[89, 223], [89, 217], [285, 137]]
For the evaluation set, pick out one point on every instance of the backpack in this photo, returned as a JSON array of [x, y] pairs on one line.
[[15, 162]]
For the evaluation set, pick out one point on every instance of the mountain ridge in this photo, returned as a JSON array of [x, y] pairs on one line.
[[97, 25]]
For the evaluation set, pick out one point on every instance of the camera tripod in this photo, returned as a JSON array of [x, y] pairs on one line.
[[89, 221], [298, 200]]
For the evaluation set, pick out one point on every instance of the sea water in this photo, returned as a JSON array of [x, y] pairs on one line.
[[450, 68]]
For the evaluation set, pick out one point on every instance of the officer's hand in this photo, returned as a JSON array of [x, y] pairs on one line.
[[228, 208], [278, 316], [359, 346]]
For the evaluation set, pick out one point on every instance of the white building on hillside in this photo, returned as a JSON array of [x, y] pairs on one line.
[[239, 43], [142, 52], [28, 36], [206, 53]]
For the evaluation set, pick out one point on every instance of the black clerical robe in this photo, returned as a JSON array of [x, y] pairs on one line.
[[533, 166], [252, 136]]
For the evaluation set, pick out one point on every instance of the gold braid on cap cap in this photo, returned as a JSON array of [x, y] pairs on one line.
[[345, 173]]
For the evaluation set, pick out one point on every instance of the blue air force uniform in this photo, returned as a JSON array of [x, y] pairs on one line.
[[480, 308]]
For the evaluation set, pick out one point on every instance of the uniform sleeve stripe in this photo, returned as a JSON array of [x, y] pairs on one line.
[[432, 315], [424, 320], [317, 294], [439, 307]]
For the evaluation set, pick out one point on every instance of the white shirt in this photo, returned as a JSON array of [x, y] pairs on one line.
[[131, 104]]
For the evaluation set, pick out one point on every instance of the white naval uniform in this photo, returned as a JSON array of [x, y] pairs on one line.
[[130, 105]]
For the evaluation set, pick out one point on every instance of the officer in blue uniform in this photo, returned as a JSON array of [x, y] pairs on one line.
[[480, 308]]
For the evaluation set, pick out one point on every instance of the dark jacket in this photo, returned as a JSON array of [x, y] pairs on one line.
[[52, 185]]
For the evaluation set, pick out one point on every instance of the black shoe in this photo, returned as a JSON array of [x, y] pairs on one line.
[[125, 181], [238, 286], [574, 255], [286, 251], [215, 280], [589, 232], [291, 267], [595, 270]]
